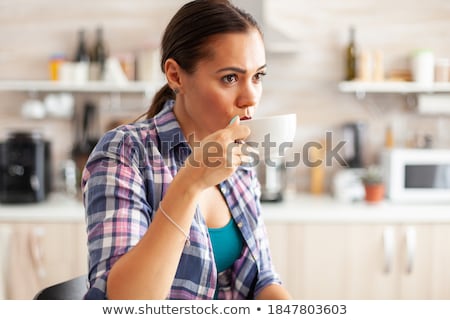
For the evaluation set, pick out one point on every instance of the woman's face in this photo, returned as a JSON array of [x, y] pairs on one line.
[[226, 84]]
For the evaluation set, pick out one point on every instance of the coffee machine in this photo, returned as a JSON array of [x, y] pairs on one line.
[[25, 168], [272, 177], [353, 151], [347, 185]]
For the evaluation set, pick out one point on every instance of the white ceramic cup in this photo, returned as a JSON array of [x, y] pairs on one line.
[[271, 135]]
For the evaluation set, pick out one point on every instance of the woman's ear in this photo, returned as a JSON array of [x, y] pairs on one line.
[[173, 74]]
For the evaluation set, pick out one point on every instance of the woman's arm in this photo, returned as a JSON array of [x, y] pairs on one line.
[[147, 271]]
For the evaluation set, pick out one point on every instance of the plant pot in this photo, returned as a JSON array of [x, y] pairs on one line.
[[374, 192]]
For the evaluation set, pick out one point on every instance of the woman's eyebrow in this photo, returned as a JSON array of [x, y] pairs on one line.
[[238, 70]]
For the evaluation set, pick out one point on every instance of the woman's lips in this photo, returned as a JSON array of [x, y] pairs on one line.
[[245, 118]]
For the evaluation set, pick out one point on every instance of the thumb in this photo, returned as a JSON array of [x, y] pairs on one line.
[[234, 121]]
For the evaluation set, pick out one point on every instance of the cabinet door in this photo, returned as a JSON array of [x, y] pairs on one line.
[[336, 261], [346, 262], [440, 262], [353, 261], [44, 254], [311, 259], [424, 261], [371, 269], [278, 240], [413, 263]]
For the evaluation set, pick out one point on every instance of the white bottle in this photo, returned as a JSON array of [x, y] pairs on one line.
[[423, 66]]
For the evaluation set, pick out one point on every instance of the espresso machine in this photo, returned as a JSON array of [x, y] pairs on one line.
[[25, 168], [272, 177]]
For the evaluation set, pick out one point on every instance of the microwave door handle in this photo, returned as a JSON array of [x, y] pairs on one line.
[[410, 237]]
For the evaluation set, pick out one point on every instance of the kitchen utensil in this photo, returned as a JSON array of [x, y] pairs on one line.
[[87, 138], [353, 135], [273, 180]]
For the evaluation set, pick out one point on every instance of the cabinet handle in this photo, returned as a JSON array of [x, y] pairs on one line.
[[410, 237], [388, 244], [36, 251]]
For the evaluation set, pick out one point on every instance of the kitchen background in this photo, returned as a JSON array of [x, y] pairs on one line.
[[303, 75]]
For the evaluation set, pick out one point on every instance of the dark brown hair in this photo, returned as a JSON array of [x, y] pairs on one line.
[[186, 37]]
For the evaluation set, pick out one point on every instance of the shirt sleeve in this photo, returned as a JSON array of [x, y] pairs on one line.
[[266, 273], [117, 210]]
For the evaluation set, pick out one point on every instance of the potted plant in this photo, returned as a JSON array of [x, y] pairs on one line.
[[373, 185]]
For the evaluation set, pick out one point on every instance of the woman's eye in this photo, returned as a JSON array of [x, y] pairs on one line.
[[259, 76], [230, 78]]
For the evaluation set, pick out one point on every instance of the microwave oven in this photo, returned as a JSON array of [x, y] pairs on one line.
[[417, 175]]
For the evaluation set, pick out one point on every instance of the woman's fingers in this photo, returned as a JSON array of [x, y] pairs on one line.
[[217, 156]]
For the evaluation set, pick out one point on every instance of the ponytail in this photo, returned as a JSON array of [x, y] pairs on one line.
[[160, 98]]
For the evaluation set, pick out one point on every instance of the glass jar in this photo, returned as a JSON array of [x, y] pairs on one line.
[[442, 70]]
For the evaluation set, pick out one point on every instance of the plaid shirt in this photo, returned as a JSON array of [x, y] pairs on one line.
[[124, 180]]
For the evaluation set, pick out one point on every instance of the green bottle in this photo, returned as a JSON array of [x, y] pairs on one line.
[[350, 53]]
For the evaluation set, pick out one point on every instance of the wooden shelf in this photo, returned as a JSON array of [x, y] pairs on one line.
[[146, 88], [360, 87]]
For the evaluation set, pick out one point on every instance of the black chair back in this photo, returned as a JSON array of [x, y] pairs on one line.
[[73, 289]]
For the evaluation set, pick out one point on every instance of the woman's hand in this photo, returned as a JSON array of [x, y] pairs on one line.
[[217, 156]]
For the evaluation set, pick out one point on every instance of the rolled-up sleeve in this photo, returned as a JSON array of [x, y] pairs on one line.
[[117, 210]]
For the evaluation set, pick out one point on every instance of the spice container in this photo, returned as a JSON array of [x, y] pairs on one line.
[[378, 66], [389, 138], [365, 66], [442, 70], [54, 65], [317, 170]]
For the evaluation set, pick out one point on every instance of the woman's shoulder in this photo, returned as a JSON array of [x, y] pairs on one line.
[[149, 129], [136, 131], [137, 126]]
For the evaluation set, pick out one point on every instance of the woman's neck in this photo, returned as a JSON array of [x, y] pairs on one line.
[[187, 123]]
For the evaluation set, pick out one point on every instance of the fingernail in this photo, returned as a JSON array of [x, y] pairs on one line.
[[233, 120]]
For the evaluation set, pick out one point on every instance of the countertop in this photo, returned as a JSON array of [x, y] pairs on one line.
[[295, 208], [326, 209], [57, 208]]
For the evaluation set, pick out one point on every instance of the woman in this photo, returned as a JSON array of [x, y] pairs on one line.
[[171, 211]]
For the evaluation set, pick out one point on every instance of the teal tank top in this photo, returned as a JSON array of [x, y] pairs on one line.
[[227, 244]]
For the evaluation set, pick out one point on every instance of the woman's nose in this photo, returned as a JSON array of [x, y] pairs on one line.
[[249, 95]]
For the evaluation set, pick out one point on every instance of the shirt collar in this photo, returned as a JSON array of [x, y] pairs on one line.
[[168, 129]]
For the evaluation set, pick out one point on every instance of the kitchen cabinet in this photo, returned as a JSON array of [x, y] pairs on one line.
[[362, 261], [41, 254]]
